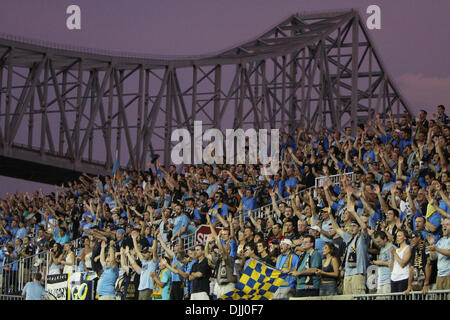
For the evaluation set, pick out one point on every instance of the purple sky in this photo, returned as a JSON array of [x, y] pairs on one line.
[[413, 40]]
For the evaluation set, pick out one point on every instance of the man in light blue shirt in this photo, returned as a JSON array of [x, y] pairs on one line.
[[180, 223], [213, 185], [384, 258], [149, 260], [441, 252], [34, 290], [60, 235], [356, 258], [22, 231]]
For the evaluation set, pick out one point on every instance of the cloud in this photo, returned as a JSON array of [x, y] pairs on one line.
[[423, 91]]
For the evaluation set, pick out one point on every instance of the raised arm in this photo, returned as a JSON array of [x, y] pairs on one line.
[[351, 209], [133, 263], [169, 252], [102, 254], [336, 227]]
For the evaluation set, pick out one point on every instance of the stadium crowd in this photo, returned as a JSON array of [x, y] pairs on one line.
[[393, 213]]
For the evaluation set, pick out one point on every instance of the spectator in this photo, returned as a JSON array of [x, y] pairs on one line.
[[420, 269], [85, 264], [68, 259], [34, 290], [383, 262], [181, 223], [308, 280], [329, 272], [224, 265], [60, 235], [105, 287], [149, 260], [399, 264], [177, 255], [286, 262], [162, 281], [56, 255], [262, 249], [314, 231], [356, 255], [441, 252], [200, 275]]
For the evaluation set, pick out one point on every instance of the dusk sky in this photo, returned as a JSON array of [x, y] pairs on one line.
[[413, 41]]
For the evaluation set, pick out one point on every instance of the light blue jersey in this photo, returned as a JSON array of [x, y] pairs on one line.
[[34, 291], [146, 281], [106, 284]]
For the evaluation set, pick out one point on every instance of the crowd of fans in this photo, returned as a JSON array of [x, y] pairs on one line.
[[393, 213]]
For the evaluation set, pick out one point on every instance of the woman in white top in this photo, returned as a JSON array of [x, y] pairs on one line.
[[86, 256], [56, 255], [399, 264], [68, 260]]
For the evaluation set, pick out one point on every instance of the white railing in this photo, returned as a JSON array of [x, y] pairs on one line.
[[334, 179], [416, 295]]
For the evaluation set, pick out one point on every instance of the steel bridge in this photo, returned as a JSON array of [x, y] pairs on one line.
[[66, 110]]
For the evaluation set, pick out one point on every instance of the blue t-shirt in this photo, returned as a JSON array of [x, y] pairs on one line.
[[176, 276], [384, 273], [319, 243], [58, 239], [165, 292], [220, 207], [280, 185], [146, 281], [195, 214], [12, 230], [291, 182], [188, 284], [106, 284], [21, 233], [369, 154], [443, 264], [181, 221], [387, 186], [233, 247], [249, 204], [403, 144], [34, 291]]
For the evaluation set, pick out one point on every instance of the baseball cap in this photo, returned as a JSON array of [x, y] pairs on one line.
[[121, 231], [315, 228], [87, 215], [286, 241], [416, 234], [205, 181], [145, 249]]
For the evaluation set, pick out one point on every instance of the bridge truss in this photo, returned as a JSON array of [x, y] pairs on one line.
[[70, 109]]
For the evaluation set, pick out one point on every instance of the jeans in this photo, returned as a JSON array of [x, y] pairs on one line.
[[328, 289], [307, 293]]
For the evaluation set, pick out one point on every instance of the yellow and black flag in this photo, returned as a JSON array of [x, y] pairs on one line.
[[257, 282]]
